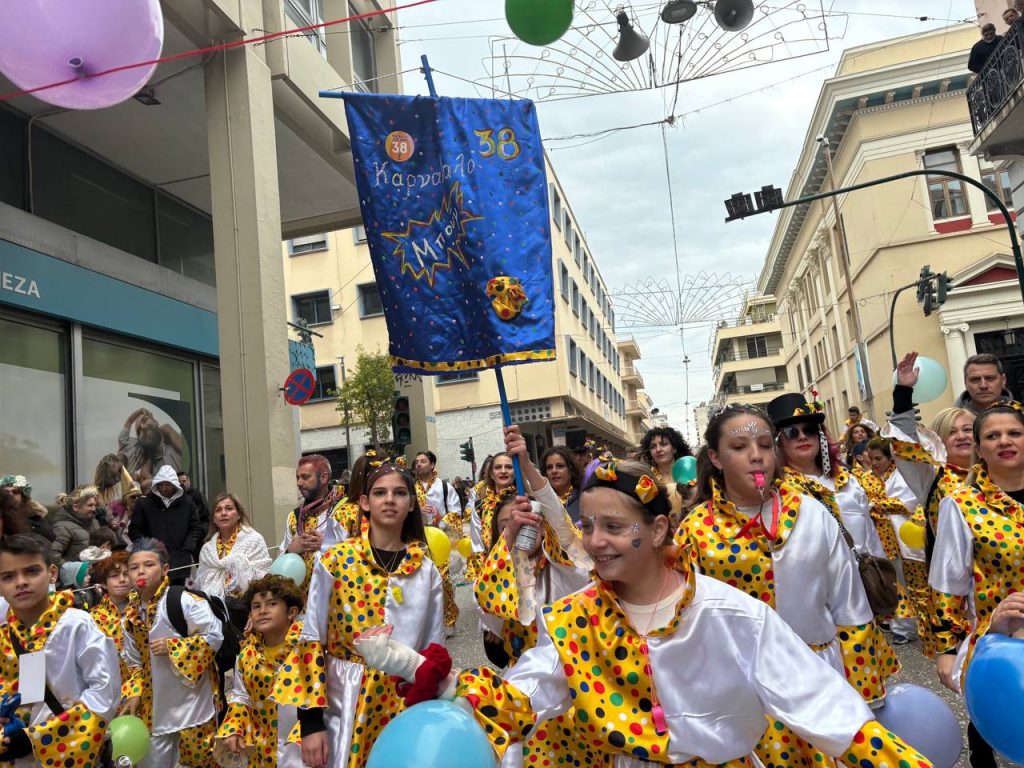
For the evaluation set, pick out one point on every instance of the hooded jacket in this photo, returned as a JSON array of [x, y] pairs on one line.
[[965, 402], [172, 520]]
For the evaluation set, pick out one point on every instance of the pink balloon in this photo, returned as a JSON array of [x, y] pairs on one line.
[[47, 41]]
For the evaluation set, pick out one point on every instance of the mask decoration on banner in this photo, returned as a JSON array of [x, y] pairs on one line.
[[507, 296], [453, 196]]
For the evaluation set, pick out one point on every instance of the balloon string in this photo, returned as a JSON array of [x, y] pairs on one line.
[[213, 49]]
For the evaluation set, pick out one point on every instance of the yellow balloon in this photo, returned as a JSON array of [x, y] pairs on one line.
[[464, 547], [439, 544], [912, 534]]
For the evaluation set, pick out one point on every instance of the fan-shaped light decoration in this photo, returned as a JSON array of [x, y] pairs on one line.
[[49, 41], [703, 299], [581, 63]]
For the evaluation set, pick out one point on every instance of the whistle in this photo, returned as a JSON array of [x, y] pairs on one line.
[[759, 480]]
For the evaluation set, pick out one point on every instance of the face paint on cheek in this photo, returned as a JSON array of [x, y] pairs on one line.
[[635, 543]]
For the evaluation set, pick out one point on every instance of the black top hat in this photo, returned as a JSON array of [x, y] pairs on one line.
[[792, 408]]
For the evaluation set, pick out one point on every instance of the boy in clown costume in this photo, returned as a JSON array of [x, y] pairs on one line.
[[80, 670]]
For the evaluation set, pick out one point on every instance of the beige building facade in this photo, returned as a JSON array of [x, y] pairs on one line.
[[893, 106], [580, 394], [152, 233], [749, 356]]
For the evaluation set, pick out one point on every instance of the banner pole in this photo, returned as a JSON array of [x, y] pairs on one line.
[[427, 73], [506, 419]]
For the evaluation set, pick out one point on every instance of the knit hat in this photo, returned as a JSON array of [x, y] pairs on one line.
[[18, 482]]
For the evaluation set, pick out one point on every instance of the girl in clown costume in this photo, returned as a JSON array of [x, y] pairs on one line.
[[382, 576], [497, 484], [664, 666], [513, 584]]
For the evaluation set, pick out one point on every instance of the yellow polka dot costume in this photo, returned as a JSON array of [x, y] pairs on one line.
[[82, 673], [350, 593], [109, 620], [486, 505], [341, 521], [694, 693], [979, 548], [262, 723]]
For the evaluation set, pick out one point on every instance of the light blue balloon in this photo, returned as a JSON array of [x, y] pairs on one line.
[[432, 734], [924, 721], [684, 470], [931, 380], [994, 691], [291, 566]]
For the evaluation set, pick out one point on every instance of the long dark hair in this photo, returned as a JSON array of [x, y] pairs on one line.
[[357, 478], [706, 470], [12, 520], [108, 472], [507, 499], [679, 444], [412, 526], [570, 462], [243, 516]]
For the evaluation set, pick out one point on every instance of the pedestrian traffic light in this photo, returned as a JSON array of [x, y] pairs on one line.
[[401, 423], [466, 451]]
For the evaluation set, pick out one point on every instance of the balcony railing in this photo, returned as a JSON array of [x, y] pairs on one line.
[[997, 81], [744, 321], [753, 389], [730, 355]]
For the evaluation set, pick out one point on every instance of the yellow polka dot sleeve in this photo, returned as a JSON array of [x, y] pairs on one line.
[[301, 682], [873, 747], [868, 659], [949, 621], [238, 721], [134, 684], [453, 525], [191, 657], [76, 733], [501, 709]]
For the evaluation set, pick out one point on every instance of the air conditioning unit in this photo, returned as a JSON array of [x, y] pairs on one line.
[[757, 387]]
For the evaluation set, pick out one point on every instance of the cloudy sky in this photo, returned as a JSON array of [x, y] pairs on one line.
[[740, 130]]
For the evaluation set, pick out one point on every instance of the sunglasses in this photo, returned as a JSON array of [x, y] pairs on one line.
[[794, 431]]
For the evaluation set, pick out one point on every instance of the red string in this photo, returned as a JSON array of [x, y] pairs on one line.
[[213, 49]]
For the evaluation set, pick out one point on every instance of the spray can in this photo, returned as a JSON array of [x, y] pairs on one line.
[[123, 762], [526, 539]]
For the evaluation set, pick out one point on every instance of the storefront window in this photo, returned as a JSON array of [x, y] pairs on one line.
[[213, 433], [138, 404], [32, 407]]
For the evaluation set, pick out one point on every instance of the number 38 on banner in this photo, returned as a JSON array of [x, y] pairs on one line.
[[506, 147]]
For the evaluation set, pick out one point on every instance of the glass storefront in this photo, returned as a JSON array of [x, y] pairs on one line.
[[33, 412], [150, 406]]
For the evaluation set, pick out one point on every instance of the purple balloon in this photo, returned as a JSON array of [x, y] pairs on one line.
[[48, 41], [924, 721]]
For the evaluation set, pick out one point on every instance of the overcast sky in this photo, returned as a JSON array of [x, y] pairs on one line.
[[616, 186]]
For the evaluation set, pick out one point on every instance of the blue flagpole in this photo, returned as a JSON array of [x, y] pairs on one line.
[[506, 412]]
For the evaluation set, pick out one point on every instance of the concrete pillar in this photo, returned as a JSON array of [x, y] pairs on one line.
[[260, 443], [956, 354], [976, 199]]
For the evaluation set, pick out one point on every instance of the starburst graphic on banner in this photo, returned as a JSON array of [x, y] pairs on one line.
[[427, 246]]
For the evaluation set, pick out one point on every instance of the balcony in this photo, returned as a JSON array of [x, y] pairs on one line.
[[735, 333], [995, 97], [637, 408], [631, 377]]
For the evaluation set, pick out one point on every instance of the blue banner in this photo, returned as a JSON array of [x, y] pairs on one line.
[[454, 201]]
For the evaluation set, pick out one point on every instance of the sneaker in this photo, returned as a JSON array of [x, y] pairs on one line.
[[901, 639]]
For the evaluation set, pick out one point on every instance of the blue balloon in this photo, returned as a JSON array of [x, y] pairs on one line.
[[432, 734], [291, 566], [931, 380], [994, 690], [684, 470], [924, 721]]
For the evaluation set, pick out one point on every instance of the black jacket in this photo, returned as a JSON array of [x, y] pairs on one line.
[[177, 526], [980, 52]]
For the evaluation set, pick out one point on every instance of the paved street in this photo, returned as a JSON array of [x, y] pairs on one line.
[[467, 650]]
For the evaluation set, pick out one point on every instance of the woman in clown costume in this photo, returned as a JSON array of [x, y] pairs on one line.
[[497, 484], [664, 666], [513, 584], [383, 576]]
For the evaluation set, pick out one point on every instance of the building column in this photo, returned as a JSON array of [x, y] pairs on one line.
[[956, 354], [260, 436], [976, 199]]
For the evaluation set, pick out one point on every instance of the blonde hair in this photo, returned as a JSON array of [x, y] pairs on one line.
[[944, 420], [77, 496]]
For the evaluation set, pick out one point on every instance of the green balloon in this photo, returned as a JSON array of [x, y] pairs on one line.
[[129, 737], [539, 22]]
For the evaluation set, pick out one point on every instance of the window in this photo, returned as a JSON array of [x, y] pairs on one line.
[[585, 315], [572, 357], [757, 346], [575, 299], [455, 376], [577, 248], [314, 308], [998, 181], [305, 13], [611, 319], [593, 375], [364, 57], [583, 367], [307, 244], [946, 194], [567, 232], [556, 207], [563, 279], [593, 326], [370, 304], [325, 384]]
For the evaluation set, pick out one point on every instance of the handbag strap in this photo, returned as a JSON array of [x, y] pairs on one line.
[[846, 535], [51, 701]]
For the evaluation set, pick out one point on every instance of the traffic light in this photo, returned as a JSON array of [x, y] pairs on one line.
[[923, 283], [941, 288], [466, 451], [401, 423]]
